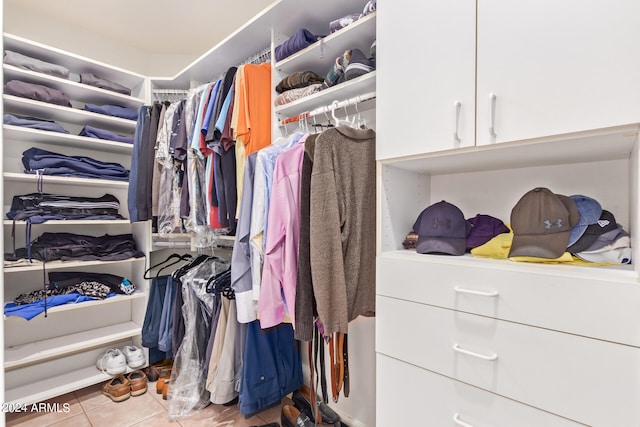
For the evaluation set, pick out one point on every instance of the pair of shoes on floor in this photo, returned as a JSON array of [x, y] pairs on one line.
[[121, 387], [115, 361], [302, 400], [158, 369]]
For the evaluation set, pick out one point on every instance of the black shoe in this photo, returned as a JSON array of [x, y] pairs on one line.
[[302, 400], [292, 417]]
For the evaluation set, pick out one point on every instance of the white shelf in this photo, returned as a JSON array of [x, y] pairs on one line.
[[55, 386], [74, 90], [597, 145], [75, 63], [29, 107], [75, 222], [320, 56], [40, 351], [619, 274], [32, 136], [57, 265], [349, 89], [64, 180]]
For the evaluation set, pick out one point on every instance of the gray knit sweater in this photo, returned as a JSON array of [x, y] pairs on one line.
[[342, 225]]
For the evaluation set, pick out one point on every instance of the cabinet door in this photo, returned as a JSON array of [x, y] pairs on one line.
[[556, 67], [425, 65]]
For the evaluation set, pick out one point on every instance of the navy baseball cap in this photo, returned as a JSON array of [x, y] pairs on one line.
[[442, 229]]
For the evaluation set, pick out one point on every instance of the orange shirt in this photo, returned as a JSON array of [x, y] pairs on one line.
[[254, 112]]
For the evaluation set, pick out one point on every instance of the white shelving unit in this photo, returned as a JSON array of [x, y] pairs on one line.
[[54, 354], [539, 335]]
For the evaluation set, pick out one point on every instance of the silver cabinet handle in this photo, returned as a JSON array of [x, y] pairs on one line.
[[456, 121], [473, 292], [490, 357], [459, 422], [492, 114]]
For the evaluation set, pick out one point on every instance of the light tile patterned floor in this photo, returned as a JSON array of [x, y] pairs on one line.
[[88, 407]]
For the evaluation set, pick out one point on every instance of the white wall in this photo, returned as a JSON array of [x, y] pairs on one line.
[[25, 23]]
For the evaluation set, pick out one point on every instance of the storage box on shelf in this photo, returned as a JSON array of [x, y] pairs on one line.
[[55, 354]]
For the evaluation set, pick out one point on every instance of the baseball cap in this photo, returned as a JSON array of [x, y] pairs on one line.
[[484, 228], [441, 229], [620, 255], [606, 223], [589, 210], [541, 223], [609, 240]]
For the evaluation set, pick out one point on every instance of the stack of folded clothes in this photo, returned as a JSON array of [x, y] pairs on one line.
[[33, 123], [36, 92], [298, 85], [39, 161], [301, 39]]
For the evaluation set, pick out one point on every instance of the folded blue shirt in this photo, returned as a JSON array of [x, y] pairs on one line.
[[113, 110], [92, 132], [29, 311]]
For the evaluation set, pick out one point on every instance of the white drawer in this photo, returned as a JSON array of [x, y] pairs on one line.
[[596, 308], [587, 380], [412, 396]]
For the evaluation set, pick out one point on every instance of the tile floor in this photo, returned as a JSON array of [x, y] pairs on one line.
[[88, 407]]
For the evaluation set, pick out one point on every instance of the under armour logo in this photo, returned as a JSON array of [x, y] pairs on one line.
[[603, 222], [548, 224], [437, 223]]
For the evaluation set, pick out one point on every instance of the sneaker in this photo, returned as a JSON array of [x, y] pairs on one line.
[[134, 356], [112, 362]]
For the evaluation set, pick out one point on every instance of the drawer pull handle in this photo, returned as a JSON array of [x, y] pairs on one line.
[[472, 292], [459, 422], [459, 349]]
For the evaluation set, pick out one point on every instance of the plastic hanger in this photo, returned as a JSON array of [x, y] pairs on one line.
[[174, 256]]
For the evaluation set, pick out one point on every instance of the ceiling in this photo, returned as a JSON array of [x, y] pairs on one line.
[[154, 26]]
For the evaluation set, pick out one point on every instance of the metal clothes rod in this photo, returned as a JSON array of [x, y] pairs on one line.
[[331, 107], [171, 91]]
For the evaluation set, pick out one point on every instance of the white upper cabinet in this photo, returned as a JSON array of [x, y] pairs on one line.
[[426, 76], [556, 67]]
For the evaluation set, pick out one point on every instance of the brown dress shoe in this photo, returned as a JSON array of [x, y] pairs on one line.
[[117, 389], [159, 369], [138, 382]]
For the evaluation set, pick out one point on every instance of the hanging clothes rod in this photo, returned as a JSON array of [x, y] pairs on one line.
[[328, 108], [171, 91]]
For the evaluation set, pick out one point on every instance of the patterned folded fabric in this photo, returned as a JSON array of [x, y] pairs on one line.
[[339, 24], [294, 94], [297, 80]]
